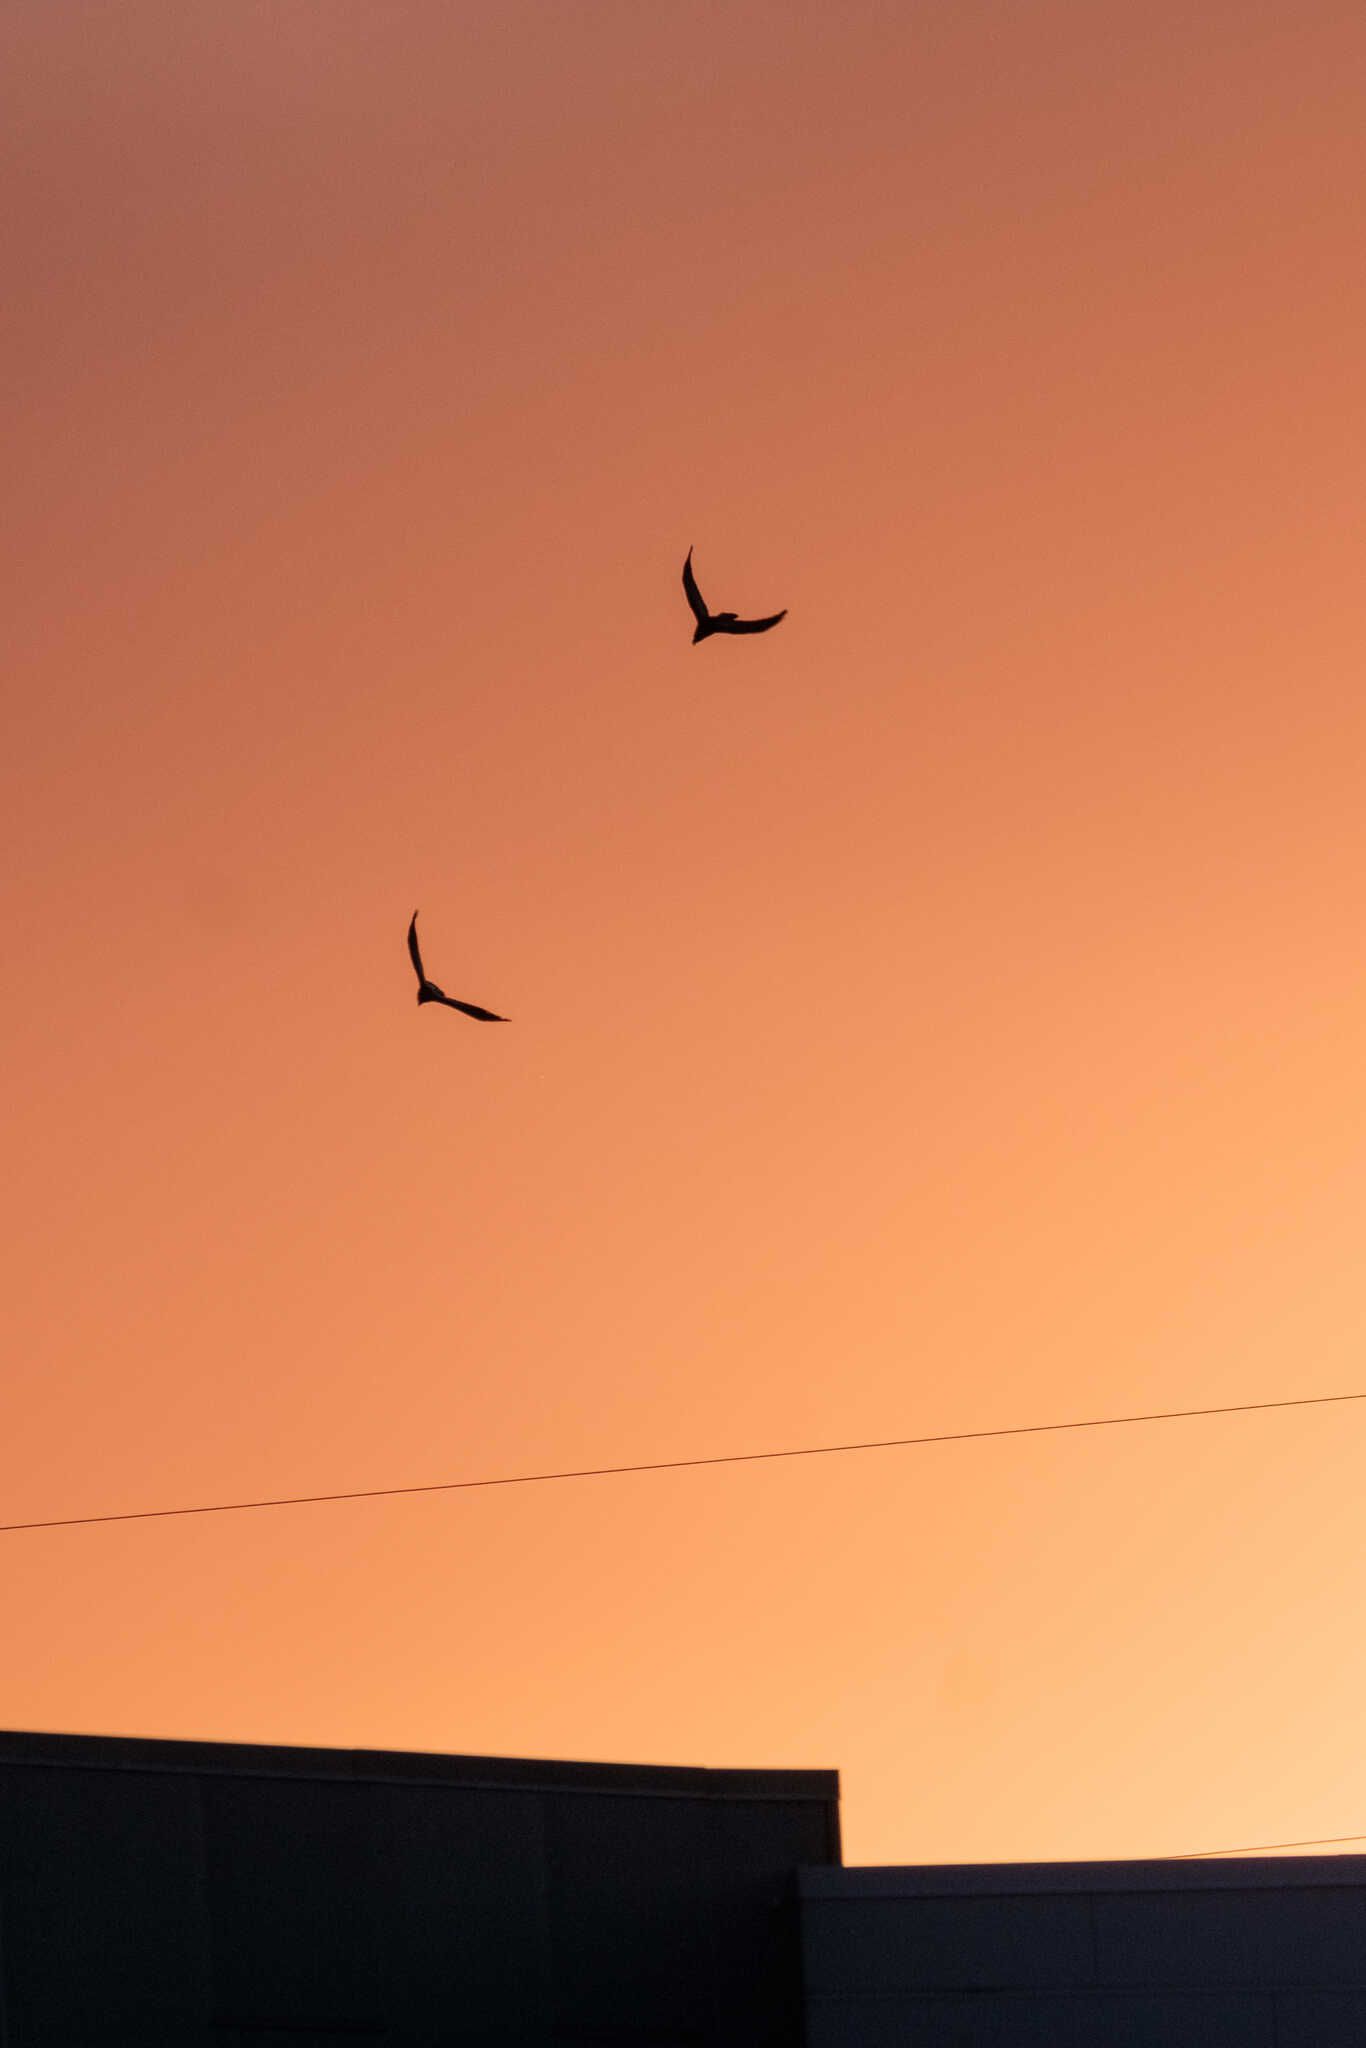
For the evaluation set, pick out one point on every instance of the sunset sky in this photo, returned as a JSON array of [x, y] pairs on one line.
[[946, 1012]]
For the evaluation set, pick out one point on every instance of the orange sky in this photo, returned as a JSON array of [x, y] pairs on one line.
[[945, 1012]]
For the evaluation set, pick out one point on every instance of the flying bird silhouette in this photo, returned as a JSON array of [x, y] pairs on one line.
[[428, 992], [719, 622]]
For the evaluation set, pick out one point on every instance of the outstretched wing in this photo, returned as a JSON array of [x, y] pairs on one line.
[[754, 625], [473, 1010], [694, 595], [413, 952]]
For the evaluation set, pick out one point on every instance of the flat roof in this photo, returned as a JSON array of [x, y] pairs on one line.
[[413, 1767], [983, 1880]]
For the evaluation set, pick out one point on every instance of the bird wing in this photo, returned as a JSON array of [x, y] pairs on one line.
[[694, 595], [414, 954], [473, 1010], [754, 625]]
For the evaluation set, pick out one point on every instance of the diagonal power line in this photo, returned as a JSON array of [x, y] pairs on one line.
[[894, 1443], [1262, 1848]]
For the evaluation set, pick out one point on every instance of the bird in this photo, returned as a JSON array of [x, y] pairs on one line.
[[719, 622], [428, 992]]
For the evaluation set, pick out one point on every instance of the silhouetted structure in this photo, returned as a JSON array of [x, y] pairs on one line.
[[1211, 1954], [206, 1895]]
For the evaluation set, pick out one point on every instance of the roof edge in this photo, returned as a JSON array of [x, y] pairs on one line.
[[852, 1883], [43, 1749]]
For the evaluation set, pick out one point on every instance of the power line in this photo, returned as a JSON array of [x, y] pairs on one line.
[[895, 1443], [1258, 1848]]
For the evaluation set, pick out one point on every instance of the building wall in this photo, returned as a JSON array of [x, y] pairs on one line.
[[189, 1895], [1238, 1954]]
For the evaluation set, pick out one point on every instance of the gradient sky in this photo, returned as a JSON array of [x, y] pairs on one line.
[[946, 1012]]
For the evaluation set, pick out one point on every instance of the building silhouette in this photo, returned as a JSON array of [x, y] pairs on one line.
[[1239, 1953], [207, 1895], [213, 1895]]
